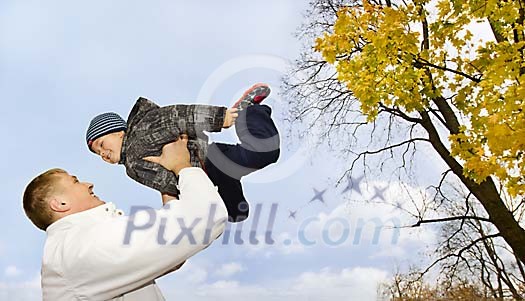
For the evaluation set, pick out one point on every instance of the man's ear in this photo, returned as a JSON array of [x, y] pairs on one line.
[[59, 204]]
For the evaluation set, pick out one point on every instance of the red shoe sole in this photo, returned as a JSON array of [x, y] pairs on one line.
[[256, 99]]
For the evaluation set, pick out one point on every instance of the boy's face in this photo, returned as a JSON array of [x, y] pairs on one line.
[[108, 147]]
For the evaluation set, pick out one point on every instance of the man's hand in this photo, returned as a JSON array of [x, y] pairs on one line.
[[229, 117], [175, 156], [167, 197]]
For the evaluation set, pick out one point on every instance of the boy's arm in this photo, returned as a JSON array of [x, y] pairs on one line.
[[154, 176], [202, 117]]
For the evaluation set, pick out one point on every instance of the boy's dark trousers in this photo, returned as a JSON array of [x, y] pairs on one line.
[[227, 163]]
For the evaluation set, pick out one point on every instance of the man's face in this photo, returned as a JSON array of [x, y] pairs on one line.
[[108, 147], [79, 195]]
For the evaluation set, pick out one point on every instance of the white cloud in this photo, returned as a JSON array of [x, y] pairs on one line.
[[362, 217], [285, 243], [348, 284], [229, 269], [362, 224], [359, 283], [228, 290], [27, 290], [12, 271], [193, 273]]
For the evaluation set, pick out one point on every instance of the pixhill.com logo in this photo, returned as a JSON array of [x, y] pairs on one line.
[[259, 229]]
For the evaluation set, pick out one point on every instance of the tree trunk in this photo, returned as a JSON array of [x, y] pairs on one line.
[[485, 192]]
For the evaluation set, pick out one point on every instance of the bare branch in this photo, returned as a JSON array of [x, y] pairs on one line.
[[448, 219]]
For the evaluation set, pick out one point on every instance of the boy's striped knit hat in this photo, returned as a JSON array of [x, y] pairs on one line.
[[104, 124]]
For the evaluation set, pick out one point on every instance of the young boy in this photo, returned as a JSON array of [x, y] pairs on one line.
[[149, 127]]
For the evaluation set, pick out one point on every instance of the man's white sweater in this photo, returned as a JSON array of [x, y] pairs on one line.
[[101, 254]]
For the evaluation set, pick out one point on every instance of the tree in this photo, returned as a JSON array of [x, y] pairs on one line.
[[468, 256], [410, 287], [422, 66]]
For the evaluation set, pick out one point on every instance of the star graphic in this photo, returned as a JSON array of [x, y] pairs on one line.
[[379, 193], [318, 196], [353, 184], [292, 214]]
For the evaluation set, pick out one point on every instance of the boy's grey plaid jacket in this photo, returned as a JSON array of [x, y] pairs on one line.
[[150, 127]]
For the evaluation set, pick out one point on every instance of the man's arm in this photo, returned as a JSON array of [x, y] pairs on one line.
[[127, 252], [154, 176], [150, 172]]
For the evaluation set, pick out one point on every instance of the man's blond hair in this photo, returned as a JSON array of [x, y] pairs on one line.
[[37, 194]]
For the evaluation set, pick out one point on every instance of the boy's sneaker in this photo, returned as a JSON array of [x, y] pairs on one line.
[[256, 94]]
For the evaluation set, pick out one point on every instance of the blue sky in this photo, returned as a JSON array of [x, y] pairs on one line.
[[62, 62]]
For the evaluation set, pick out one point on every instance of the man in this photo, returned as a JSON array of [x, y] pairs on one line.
[[90, 252]]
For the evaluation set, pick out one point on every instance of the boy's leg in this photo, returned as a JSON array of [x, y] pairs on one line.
[[231, 193], [259, 145]]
